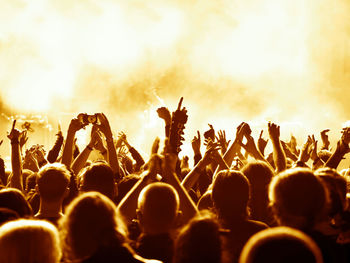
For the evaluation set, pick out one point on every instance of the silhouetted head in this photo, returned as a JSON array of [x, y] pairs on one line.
[[230, 195], [280, 245], [30, 241], [158, 207], [90, 222], [336, 186], [199, 241], [14, 199], [259, 175], [297, 197], [98, 177], [52, 181]]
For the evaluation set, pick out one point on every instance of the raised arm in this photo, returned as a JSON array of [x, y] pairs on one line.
[[16, 163], [235, 147], [55, 150], [128, 205], [164, 113], [278, 153], [67, 155], [105, 128], [83, 156], [341, 150], [134, 153], [187, 206]]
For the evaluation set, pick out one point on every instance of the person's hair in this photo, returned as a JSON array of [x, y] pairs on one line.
[[336, 187], [199, 241], [90, 222], [31, 241], [53, 180], [297, 197], [125, 185], [14, 199], [230, 194], [259, 175], [280, 244], [158, 204], [98, 177]]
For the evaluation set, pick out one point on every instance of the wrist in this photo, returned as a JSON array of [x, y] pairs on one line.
[[89, 147], [14, 141]]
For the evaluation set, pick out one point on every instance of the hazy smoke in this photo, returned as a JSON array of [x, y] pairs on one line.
[[254, 60]]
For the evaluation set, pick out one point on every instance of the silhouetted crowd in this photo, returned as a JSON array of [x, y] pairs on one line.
[[237, 203]]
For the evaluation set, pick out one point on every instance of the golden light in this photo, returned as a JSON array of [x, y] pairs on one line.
[[251, 60]]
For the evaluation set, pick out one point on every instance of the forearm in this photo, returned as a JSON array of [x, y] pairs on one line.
[[3, 180], [279, 156], [336, 157], [137, 157], [128, 205], [81, 159], [54, 152], [192, 177], [67, 154], [231, 152], [187, 206], [112, 155], [16, 178]]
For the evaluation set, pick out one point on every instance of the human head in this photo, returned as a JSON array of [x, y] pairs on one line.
[[230, 194], [297, 198], [199, 241], [98, 177], [280, 245], [158, 207], [336, 186], [31, 241], [14, 199], [90, 222], [52, 181], [259, 175]]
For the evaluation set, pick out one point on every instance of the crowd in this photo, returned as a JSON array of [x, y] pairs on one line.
[[236, 204]]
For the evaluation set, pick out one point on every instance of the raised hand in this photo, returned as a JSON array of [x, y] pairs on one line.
[[179, 119], [14, 134], [155, 146], [262, 143], [120, 140], [292, 144], [274, 131], [196, 143], [325, 139], [164, 113], [104, 126], [221, 139], [305, 152], [23, 139], [313, 148]]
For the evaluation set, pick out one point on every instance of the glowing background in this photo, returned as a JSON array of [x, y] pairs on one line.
[[253, 60]]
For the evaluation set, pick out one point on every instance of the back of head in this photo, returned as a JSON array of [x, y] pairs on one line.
[[158, 205], [280, 245], [125, 185], [199, 241], [258, 173], [336, 186], [14, 199], [98, 177], [90, 222], [31, 241], [52, 181], [230, 194], [297, 197]]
